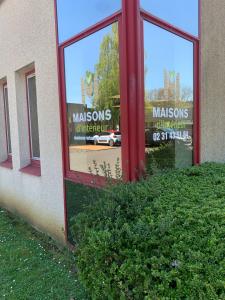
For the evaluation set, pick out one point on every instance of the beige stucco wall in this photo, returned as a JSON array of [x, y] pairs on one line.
[[213, 80], [27, 36]]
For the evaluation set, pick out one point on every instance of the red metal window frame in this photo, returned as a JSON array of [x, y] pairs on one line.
[[131, 49], [196, 67], [5, 87], [8, 162], [75, 176], [34, 161], [34, 168]]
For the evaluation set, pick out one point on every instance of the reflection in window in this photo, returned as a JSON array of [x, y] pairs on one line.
[[181, 13], [168, 99], [33, 117], [75, 16], [93, 103], [7, 121]]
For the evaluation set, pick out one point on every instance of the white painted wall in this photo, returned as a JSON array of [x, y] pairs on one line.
[[27, 35]]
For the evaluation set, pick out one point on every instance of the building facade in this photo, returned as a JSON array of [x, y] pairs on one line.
[[107, 90]]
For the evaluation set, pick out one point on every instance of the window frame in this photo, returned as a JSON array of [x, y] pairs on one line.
[[76, 176], [34, 161], [8, 162], [146, 16], [7, 120], [131, 51]]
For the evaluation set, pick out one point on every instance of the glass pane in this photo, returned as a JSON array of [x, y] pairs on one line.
[[181, 13], [75, 16], [8, 134], [32, 96], [168, 99], [93, 103]]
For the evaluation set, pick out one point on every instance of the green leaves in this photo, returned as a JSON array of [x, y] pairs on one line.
[[162, 238]]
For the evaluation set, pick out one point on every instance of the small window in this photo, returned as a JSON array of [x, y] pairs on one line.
[[75, 16], [183, 14], [33, 117], [7, 121]]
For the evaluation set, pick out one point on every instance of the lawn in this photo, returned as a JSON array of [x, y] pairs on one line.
[[32, 267]]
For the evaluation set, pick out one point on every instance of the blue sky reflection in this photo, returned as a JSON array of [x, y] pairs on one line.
[[79, 58], [181, 13], [166, 51], [75, 16]]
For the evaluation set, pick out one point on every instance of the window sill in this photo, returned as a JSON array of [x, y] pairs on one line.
[[7, 163], [33, 169]]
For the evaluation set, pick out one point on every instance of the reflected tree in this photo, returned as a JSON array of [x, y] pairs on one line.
[[102, 85]]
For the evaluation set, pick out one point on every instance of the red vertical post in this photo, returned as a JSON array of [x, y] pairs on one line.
[[196, 134], [61, 119], [133, 85], [197, 89]]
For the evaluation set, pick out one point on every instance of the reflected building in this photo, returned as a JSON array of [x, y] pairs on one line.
[[171, 91], [171, 85]]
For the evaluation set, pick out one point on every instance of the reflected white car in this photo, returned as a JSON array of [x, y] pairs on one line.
[[109, 138]]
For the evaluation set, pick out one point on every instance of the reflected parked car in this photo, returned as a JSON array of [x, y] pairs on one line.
[[90, 138], [109, 138]]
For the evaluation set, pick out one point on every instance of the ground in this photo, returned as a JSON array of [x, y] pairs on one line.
[[32, 267]]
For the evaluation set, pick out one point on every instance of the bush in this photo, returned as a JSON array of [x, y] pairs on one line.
[[162, 238], [168, 156]]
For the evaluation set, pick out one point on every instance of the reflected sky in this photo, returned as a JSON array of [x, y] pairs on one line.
[[75, 16], [164, 50], [79, 58], [181, 13]]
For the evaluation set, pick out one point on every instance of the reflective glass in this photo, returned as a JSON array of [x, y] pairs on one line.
[[93, 103], [181, 13], [75, 16], [168, 99], [8, 133], [33, 116]]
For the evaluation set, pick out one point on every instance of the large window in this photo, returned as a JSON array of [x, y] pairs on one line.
[[7, 120], [168, 98], [33, 117], [93, 103], [129, 86]]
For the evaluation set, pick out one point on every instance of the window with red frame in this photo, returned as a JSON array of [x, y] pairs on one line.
[[7, 121], [33, 117], [169, 99], [159, 81], [93, 103]]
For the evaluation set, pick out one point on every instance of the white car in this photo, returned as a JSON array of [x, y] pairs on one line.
[[109, 138]]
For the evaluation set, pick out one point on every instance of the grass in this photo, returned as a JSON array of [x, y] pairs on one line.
[[32, 266]]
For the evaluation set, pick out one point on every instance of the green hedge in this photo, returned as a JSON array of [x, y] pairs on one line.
[[162, 238], [78, 197]]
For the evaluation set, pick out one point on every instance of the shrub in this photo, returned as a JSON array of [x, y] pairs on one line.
[[162, 238], [168, 156]]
